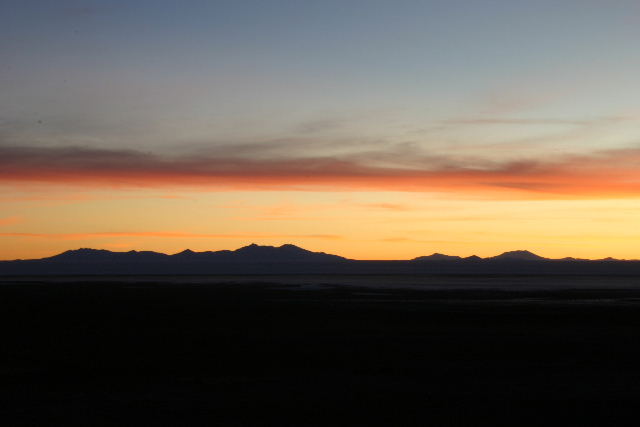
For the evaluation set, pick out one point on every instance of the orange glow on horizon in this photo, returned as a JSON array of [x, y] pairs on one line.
[[609, 175], [354, 225], [584, 207]]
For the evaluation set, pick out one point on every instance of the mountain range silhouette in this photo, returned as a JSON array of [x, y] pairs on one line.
[[251, 253], [290, 259], [286, 252]]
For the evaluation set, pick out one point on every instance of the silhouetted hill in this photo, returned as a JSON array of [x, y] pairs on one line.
[[251, 253], [252, 259], [290, 259], [437, 257], [525, 255], [286, 253], [92, 255]]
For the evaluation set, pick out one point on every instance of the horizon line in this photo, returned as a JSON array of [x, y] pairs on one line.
[[452, 257]]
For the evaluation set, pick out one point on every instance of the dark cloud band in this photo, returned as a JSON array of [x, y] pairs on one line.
[[609, 174]]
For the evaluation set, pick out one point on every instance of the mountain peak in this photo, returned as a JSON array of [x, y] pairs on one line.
[[81, 253], [519, 254], [437, 257], [100, 255], [286, 252], [187, 253]]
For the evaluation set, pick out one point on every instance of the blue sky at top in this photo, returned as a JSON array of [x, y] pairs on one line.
[[223, 71]]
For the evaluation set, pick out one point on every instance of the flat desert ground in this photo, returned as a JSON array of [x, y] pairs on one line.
[[318, 350]]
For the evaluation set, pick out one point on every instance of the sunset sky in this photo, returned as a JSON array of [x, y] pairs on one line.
[[367, 129]]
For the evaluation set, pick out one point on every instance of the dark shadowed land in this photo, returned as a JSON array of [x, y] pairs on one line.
[[319, 350]]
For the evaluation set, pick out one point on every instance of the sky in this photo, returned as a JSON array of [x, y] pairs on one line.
[[367, 129]]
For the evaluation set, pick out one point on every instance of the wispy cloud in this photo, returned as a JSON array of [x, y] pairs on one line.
[[10, 220], [587, 123], [280, 212], [173, 196], [56, 198], [396, 207], [412, 240], [499, 121], [318, 126], [168, 234], [510, 99], [604, 174], [79, 11], [311, 212]]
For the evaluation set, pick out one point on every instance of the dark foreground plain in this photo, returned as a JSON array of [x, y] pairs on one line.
[[319, 351]]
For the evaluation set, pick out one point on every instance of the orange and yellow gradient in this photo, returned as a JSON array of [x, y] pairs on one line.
[[357, 225]]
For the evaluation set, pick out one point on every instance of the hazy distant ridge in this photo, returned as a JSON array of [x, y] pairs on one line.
[[290, 259], [520, 255]]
